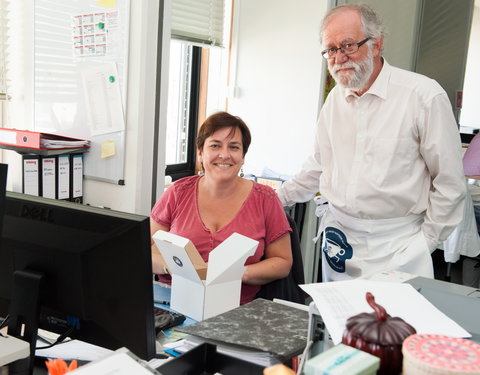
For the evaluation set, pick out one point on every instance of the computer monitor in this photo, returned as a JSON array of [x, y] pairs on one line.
[[96, 267]]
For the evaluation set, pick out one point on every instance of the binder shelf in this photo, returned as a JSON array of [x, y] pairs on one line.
[[52, 165]]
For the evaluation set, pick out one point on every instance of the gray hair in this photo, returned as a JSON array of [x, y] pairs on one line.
[[372, 24]]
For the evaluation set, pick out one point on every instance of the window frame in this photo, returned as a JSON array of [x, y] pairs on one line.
[[180, 170]]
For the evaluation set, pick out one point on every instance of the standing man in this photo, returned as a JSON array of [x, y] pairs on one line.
[[387, 157]]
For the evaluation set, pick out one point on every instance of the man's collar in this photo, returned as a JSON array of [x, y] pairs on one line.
[[379, 86]]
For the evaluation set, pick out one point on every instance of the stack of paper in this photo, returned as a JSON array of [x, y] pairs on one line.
[[56, 143]]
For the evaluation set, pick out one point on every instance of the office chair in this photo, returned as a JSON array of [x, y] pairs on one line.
[[287, 288]]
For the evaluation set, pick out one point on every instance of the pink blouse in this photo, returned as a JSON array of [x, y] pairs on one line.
[[261, 217]]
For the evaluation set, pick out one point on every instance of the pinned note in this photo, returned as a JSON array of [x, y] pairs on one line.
[[103, 98], [108, 149], [107, 3]]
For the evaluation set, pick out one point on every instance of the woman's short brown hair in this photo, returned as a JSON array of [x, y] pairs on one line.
[[222, 120]]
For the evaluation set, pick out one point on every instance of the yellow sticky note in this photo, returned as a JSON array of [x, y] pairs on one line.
[[108, 3], [108, 149]]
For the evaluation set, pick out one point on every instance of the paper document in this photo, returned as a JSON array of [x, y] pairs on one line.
[[121, 362], [338, 301], [103, 98], [62, 143], [74, 349]]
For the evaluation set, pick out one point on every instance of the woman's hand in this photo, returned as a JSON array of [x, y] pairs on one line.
[[159, 267]]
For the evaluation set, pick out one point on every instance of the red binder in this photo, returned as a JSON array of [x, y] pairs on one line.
[[31, 141]]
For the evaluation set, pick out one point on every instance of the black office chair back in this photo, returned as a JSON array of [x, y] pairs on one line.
[[287, 288]]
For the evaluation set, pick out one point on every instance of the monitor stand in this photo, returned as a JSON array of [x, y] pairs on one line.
[[24, 313]]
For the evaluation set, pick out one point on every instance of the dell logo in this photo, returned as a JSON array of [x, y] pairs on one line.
[[35, 213]]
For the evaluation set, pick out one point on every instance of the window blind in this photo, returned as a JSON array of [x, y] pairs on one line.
[[3, 48], [55, 74], [198, 21]]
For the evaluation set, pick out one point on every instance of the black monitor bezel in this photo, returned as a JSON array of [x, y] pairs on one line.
[[114, 308]]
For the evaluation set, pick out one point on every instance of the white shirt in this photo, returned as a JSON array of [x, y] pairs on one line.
[[392, 152]]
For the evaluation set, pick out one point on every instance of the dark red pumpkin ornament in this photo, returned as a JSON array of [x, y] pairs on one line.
[[380, 335]]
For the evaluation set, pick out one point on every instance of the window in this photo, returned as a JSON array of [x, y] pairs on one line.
[[199, 21], [195, 24], [182, 112]]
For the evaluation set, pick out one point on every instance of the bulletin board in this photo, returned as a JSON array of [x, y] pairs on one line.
[[80, 78]]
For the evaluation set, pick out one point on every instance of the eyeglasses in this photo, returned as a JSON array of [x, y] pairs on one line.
[[346, 49]]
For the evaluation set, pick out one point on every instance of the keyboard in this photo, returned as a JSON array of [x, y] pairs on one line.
[[165, 319]]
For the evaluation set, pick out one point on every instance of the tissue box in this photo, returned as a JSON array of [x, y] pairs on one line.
[[342, 360], [195, 295]]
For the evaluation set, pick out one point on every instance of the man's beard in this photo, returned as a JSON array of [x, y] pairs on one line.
[[358, 79]]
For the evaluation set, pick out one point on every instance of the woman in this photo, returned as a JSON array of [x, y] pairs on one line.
[[208, 209]]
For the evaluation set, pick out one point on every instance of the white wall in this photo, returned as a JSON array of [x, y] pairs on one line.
[[277, 79]]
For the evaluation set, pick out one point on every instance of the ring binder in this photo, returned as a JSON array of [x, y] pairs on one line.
[[30, 141], [76, 178], [48, 177], [31, 174], [63, 177]]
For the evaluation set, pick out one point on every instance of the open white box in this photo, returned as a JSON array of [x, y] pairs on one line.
[[219, 291]]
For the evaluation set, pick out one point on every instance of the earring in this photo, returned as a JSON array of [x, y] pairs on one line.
[[201, 172], [241, 172]]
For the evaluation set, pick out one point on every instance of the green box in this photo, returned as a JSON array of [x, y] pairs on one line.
[[342, 360]]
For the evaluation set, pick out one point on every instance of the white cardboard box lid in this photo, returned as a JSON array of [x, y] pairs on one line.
[[227, 261], [180, 255]]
